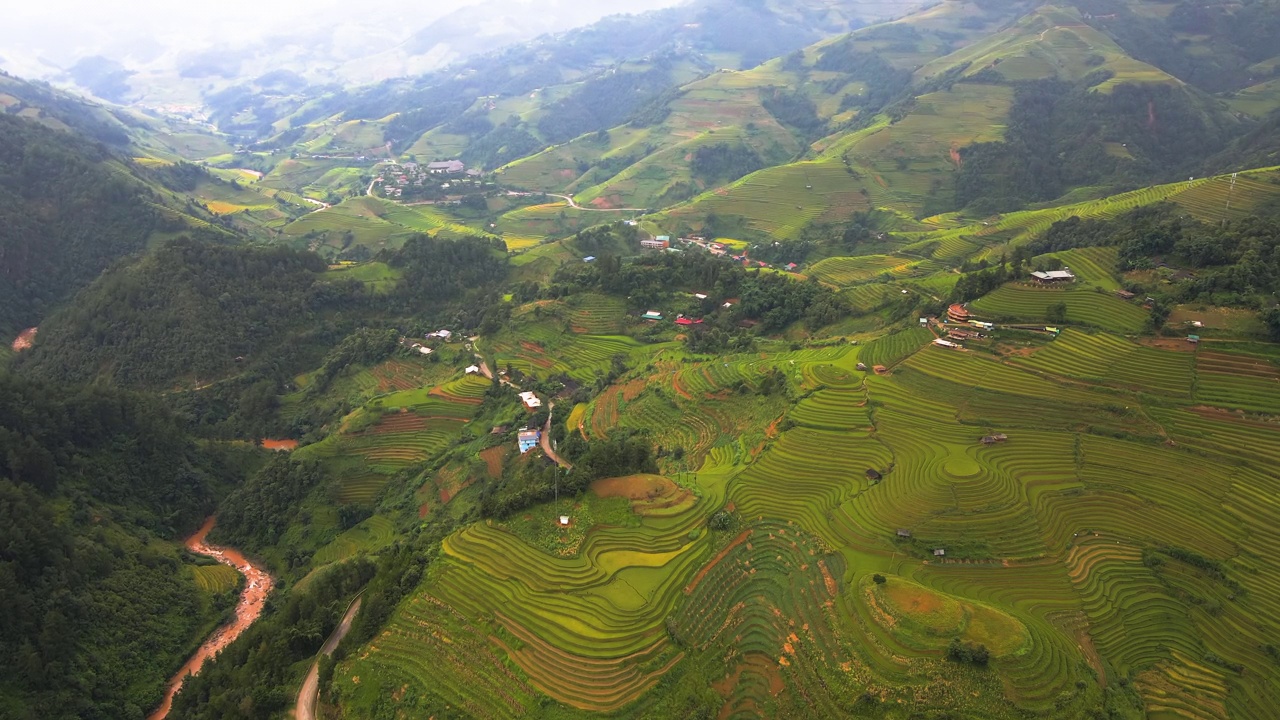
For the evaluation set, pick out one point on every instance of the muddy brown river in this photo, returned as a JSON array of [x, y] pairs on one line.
[[256, 588]]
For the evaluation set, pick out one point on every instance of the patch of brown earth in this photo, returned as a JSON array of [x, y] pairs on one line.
[[493, 458], [1175, 344], [25, 340], [693, 584], [633, 487]]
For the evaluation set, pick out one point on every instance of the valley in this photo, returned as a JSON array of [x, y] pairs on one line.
[[772, 359]]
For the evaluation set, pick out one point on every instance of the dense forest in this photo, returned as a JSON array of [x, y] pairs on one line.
[[1235, 263], [1061, 136], [65, 215], [96, 611], [603, 102], [191, 312]]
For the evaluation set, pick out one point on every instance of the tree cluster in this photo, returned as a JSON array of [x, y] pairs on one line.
[[96, 613], [1058, 135]]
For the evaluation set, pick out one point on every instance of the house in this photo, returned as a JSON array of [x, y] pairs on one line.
[[1053, 276], [1053, 330], [589, 259], [682, 320], [498, 430], [862, 366], [659, 243], [727, 305], [1124, 295], [993, 439], [1193, 339], [528, 440], [472, 369], [939, 552], [531, 401], [958, 334], [700, 296], [944, 343], [446, 167], [924, 322], [958, 313], [424, 350], [442, 334], [791, 266], [652, 315], [904, 533], [873, 474], [564, 520]]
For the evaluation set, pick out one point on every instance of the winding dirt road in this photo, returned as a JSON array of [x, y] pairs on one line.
[[305, 709], [574, 205], [546, 440], [256, 588]]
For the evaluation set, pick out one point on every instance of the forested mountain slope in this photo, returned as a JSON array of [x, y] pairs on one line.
[[99, 603]]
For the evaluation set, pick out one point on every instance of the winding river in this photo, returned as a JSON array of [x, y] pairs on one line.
[[256, 588]]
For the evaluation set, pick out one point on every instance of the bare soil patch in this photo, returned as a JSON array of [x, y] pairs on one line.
[[25, 340]]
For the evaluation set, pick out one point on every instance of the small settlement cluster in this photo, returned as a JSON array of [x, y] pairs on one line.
[[664, 242], [411, 178]]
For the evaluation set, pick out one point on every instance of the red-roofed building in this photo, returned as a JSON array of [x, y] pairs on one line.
[[958, 313], [688, 321]]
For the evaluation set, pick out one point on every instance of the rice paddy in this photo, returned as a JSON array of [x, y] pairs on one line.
[[1104, 540]]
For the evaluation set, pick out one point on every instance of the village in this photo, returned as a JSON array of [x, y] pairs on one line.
[[442, 180]]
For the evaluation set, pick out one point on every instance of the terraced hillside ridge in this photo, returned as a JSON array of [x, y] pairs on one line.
[[871, 539]]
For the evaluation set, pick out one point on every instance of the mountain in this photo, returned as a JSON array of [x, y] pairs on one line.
[[98, 487], [765, 364]]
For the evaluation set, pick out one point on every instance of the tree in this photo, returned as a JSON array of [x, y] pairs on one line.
[[1056, 313]]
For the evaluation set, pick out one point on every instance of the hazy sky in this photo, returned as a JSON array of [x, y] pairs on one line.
[[55, 28]]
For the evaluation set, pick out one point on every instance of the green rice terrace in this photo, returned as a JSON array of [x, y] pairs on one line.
[[1054, 530]]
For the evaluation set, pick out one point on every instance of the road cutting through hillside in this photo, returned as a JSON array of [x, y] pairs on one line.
[[305, 708]]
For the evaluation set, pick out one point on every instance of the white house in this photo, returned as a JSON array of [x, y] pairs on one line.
[[530, 400], [472, 369]]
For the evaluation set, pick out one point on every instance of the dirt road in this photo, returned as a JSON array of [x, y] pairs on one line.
[[546, 440], [306, 705], [574, 205], [256, 588]]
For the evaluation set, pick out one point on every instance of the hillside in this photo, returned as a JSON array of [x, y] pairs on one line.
[[69, 208], [101, 600], [952, 389]]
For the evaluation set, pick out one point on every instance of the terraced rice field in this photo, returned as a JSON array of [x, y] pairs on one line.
[[544, 351], [1025, 303], [1048, 541], [845, 271], [369, 536], [394, 431], [1238, 382], [1112, 360], [215, 579]]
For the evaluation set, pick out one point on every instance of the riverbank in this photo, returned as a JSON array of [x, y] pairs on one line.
[[257, 586]]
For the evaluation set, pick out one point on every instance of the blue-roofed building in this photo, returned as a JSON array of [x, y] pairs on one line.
[[528, 440]]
